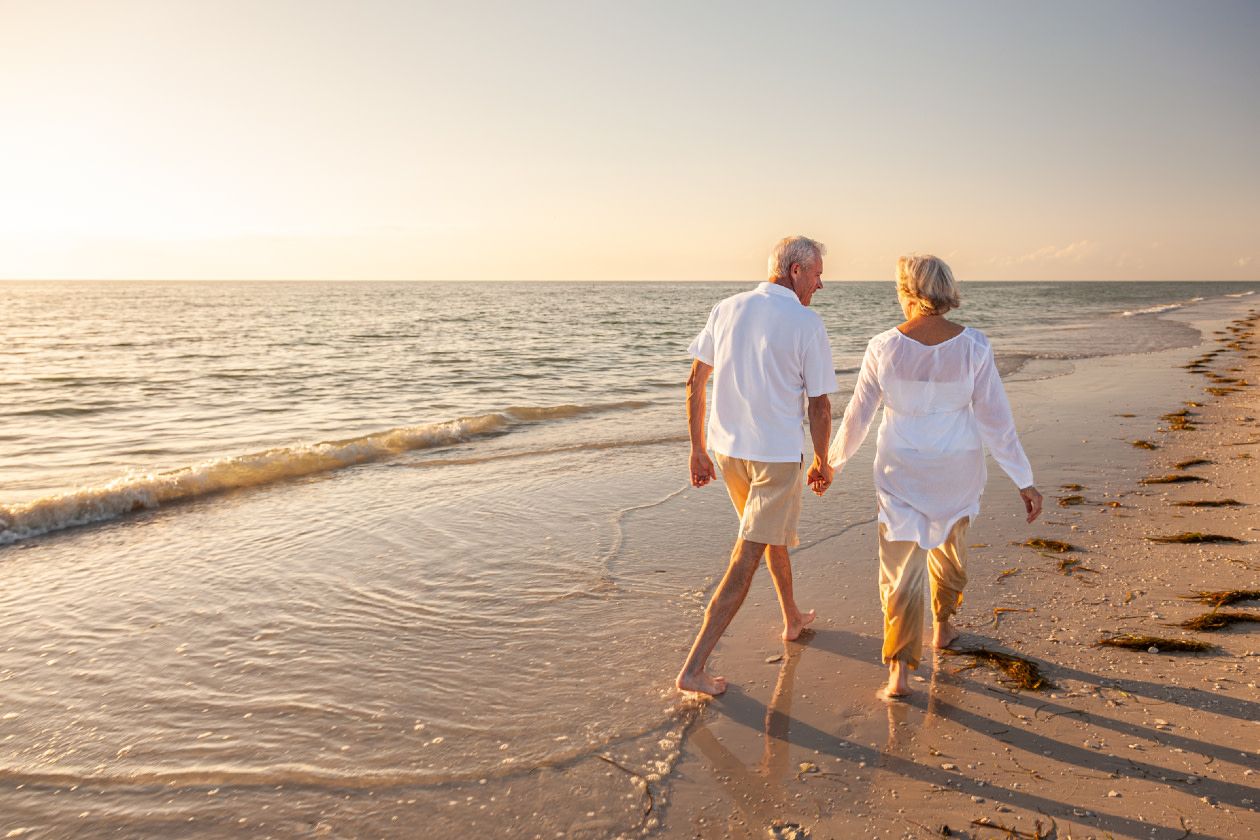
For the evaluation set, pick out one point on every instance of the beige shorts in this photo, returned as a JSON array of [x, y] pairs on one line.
[[767, 497]]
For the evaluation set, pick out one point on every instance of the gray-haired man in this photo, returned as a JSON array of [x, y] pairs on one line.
[[769, 354]]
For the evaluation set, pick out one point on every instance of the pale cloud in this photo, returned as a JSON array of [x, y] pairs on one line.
[[1243, 262], [1075, 252]]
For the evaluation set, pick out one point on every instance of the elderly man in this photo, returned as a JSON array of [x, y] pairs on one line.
[[768, 354]]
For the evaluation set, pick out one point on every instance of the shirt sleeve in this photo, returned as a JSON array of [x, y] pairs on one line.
[[860, 413], [820, 369], [702, 346], [997, 424]]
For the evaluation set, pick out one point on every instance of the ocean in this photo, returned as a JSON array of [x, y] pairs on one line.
[[386, 559]]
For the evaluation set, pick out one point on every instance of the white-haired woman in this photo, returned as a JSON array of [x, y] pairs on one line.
[[943, 402]]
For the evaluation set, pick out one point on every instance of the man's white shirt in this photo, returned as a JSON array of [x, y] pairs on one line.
[[768, 353]]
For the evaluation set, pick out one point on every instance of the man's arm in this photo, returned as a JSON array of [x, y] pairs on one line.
[[701, 466], [820, 472]]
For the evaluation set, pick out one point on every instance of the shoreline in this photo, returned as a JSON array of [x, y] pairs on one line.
[[1127, 744]]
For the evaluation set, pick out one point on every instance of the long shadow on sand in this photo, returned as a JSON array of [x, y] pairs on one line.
[[743, 709]]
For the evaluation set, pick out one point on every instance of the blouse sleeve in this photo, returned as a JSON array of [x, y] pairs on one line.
[[997, 425], [859, 414]]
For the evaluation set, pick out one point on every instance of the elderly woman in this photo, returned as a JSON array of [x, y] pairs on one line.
[[943, 402]]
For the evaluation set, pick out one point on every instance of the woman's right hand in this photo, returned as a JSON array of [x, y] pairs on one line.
[[1032, 501]]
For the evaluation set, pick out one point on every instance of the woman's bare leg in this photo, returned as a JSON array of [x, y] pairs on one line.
[[898, 679], [947, 566], [902, 579]]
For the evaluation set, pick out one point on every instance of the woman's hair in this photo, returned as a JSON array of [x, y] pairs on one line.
[[927, 282]]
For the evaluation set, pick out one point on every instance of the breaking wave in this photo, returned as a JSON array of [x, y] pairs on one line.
[[1155, 310], [137, 492]]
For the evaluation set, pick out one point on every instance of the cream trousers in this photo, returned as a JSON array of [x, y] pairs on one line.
[[904, 568]]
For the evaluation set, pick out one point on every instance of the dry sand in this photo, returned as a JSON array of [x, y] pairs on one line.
[[1125, 744]]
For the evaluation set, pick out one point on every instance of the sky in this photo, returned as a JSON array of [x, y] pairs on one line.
[[597, 140]]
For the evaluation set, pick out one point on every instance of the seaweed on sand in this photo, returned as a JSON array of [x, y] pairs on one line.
[[1218, 620], [1179, 420], [1048, 545], [1014, 834], [1068, 501], [997, 613], [1071, 487], [1172, 479], [647, 789], [1196, 537], [1220, 392], [1193, 462], [1071, 564], [1018, 672], [1144, 643], [1210, 503], [1145, 444], [1224, 599]]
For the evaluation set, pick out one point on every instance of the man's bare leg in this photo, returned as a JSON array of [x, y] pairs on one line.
[[794, 620], [725, 602]]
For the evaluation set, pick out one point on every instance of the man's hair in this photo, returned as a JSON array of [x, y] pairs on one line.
[[793, 249], [927, 282]]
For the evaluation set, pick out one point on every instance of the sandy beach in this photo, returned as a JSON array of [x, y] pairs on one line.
[[1117, 743]]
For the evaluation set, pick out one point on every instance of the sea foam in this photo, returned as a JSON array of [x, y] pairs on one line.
[[1155, 310], [137, 492]]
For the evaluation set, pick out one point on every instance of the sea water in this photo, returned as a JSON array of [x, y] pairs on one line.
[[385, 559]]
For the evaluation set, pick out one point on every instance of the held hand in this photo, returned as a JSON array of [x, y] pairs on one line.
[[820, 476], [1032, 501], [702, 471]]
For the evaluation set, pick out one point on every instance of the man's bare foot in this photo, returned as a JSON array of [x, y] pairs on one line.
[[944, 634], [701, 683], [793, 628], [898, 680]]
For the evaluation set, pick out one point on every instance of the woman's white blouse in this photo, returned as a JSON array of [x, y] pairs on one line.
[[942, 405]]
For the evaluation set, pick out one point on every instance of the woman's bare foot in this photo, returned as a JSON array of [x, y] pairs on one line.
[[944, 634], [898, 679], [701, 683], [792, 629]]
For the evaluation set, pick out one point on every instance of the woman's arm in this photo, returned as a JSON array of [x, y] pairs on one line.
[[997, 424], [859, 414]]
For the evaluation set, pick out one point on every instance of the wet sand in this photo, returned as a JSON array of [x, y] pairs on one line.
[[1125, 744]]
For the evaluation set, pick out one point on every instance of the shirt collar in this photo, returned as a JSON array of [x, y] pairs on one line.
[[775, 289]]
